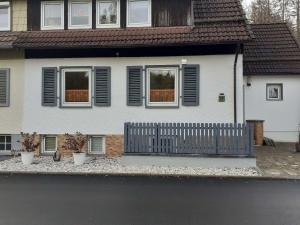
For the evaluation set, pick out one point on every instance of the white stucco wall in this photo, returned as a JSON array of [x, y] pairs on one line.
[[11, 117], [281, 117], [216, 76]]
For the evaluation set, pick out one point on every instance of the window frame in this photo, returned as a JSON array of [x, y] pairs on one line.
[[86, 26], [43, 26], [90, 145], [64, 104], [98, 24], [174, 104], [6, 143], [149, 22], [44, 144], [280, 94], [8, 5]]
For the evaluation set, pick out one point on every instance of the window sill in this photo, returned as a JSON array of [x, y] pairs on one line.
[[79, 27], [138, 25], [52, 28]]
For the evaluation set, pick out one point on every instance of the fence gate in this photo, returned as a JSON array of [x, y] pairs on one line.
[[189, 138]]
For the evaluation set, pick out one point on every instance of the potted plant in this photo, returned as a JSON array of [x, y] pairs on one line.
[[29, 144], [76, 144]]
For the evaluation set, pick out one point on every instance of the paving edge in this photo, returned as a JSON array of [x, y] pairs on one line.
[[3, 173]]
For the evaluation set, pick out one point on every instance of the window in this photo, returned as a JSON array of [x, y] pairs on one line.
[[96, 145], [274, 92], [108, 13], [76, 87], [139, 13], [5, 143], [4, 16], [80, 14], [162, 86], [52, 15], [50, 144]]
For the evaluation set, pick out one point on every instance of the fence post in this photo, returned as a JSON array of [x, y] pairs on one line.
[[216, 135], [126, 137], [251, 139]]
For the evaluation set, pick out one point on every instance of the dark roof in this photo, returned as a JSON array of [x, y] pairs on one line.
[[217, 10], [135, 37], [274, 51], [216, 22], [7, 39]]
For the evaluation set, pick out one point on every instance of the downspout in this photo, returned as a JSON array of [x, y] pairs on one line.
[[238, 48]]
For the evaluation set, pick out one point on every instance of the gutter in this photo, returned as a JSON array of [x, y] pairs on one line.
[[238, 48]]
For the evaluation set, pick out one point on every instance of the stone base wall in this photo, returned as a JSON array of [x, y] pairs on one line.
[[114, 146]]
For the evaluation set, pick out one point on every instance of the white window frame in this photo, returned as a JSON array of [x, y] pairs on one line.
[[5, 143], [148, 88], [280, 96], [43, 4], [76, 104], [86, 26], [44, 144], [6, 4], [149, 22], [99, 25], [90, 145]]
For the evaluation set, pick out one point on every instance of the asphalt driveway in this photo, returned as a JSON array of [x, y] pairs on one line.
[[79, 200]]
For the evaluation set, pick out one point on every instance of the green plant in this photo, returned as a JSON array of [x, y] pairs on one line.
[[75, 142], [30, 142]]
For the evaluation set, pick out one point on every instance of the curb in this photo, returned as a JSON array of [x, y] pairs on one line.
[[11, 173]]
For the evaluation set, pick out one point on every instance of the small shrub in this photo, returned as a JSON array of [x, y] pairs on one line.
[[75, 142], [29, 142]]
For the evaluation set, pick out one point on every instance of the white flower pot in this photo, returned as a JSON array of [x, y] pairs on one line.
[[27, 158], [79, 158]]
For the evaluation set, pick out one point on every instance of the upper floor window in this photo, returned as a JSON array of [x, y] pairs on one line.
[[108, 13], [139, 13], [52, 15], [76, 87], [162, 86], [80, 14], [4, 16]]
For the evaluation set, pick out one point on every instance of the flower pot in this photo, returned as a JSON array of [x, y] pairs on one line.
[[79, 158], [27, 158]]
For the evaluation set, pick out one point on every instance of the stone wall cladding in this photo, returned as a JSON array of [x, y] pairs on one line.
[[19, 15], [114, 145]]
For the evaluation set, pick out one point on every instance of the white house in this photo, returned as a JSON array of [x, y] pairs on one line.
[[95, 65], [272, 80]]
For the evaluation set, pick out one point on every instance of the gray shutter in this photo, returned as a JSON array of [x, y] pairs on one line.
[[49, 86], [190, 85], [102, 86], [134, 86], [4, 87]]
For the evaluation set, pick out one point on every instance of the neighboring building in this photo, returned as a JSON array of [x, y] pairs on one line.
[[272, 78], [13, 19]]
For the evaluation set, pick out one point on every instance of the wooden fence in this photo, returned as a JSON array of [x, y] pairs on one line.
[[189, 138]]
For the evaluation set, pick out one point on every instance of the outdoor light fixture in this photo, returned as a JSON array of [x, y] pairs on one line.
[[183, 61], [222, 97]]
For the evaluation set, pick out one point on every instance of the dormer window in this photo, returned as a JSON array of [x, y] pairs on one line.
[[4, 16], [52, 15], [108, 13], [139, 13], [80, 14]]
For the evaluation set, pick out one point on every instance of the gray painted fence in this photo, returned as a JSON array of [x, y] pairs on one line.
[[189, 138]]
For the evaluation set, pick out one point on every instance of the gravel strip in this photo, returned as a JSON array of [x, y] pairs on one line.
[[113, 166]]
